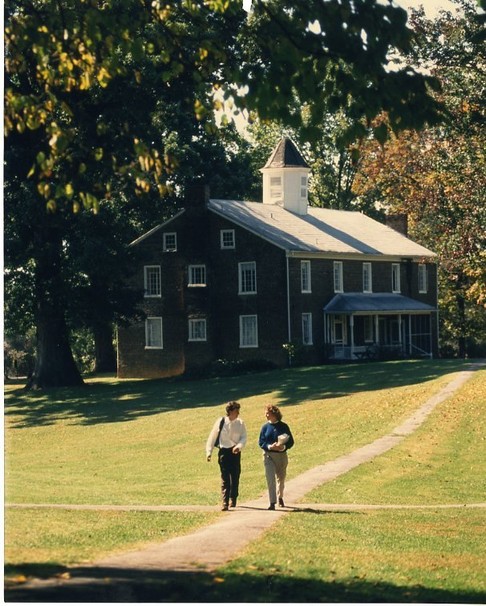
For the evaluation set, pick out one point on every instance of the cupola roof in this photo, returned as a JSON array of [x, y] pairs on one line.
[[286, 155]]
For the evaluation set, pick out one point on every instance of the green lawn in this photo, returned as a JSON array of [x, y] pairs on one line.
[[425, 555], [45, 541], [142, 442]]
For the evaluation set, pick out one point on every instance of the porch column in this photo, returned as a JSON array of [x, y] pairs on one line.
[[409, 334], [400, 340], [351, 325], [377, 330]]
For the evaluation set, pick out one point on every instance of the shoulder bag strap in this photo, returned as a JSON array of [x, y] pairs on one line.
[[219, 432]]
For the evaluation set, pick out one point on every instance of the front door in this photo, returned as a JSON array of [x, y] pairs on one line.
[[339, 336]]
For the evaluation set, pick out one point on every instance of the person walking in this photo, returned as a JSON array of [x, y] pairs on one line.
[[229, 434], [275, 440]]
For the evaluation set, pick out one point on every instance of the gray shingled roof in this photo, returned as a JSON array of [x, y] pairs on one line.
[[286, 155], [322, 230], [378, 302]]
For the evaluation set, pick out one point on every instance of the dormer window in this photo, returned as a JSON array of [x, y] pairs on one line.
[[275, 188]]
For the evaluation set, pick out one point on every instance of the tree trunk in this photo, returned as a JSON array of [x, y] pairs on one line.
[[461, 341], [54, 363], [105, 356]]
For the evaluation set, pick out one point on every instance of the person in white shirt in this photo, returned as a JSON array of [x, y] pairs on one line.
[[229, 435]]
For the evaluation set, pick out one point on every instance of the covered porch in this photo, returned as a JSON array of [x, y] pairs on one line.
[[378, 326]]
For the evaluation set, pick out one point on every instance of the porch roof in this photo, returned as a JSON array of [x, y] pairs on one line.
[[349, 303]]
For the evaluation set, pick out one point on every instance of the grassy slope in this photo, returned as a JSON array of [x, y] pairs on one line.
[[143, 442], [389, 555]]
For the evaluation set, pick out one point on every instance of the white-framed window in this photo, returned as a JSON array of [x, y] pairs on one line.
[[248, 331], [422, 278], [197, 329], [367, 278], [170, 242], [275, 188], [303, 187], [305, 276], [368, 329], [247, 284], [227, 238], [197, 275], [153, 333], [396, 277], [307, 329], [151, 279], [338, 276]]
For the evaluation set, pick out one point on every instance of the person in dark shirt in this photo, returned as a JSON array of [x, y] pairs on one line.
[[275, 440]]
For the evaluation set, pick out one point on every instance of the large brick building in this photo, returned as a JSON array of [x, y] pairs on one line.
[[237, 280]]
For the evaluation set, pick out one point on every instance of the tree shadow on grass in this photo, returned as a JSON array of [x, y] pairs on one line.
[[128, 585], [116, 401]]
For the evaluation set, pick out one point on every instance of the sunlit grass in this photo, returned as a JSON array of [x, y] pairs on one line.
[[442, 462], [142, 442], [54, 538], [93, 445], [399, 554], [368, 556]]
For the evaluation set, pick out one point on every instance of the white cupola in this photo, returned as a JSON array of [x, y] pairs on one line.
[[285, 178]]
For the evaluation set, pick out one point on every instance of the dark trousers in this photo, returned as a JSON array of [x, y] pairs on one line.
[[230, 466]]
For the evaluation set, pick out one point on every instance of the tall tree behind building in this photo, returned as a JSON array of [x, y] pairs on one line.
[[438, 176]]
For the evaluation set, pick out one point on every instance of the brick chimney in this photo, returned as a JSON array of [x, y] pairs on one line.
[[398, 222], [197, 195]]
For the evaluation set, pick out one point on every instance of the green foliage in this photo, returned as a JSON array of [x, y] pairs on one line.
[[64, 56], [224, 368], [91, 277], [62, 53], [83, 350], [18, 355], [332, 57]]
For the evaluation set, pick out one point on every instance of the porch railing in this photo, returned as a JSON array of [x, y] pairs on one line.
[[370, 352]]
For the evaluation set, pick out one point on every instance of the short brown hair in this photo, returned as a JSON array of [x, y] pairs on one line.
[[232, 406], [274, 410]]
